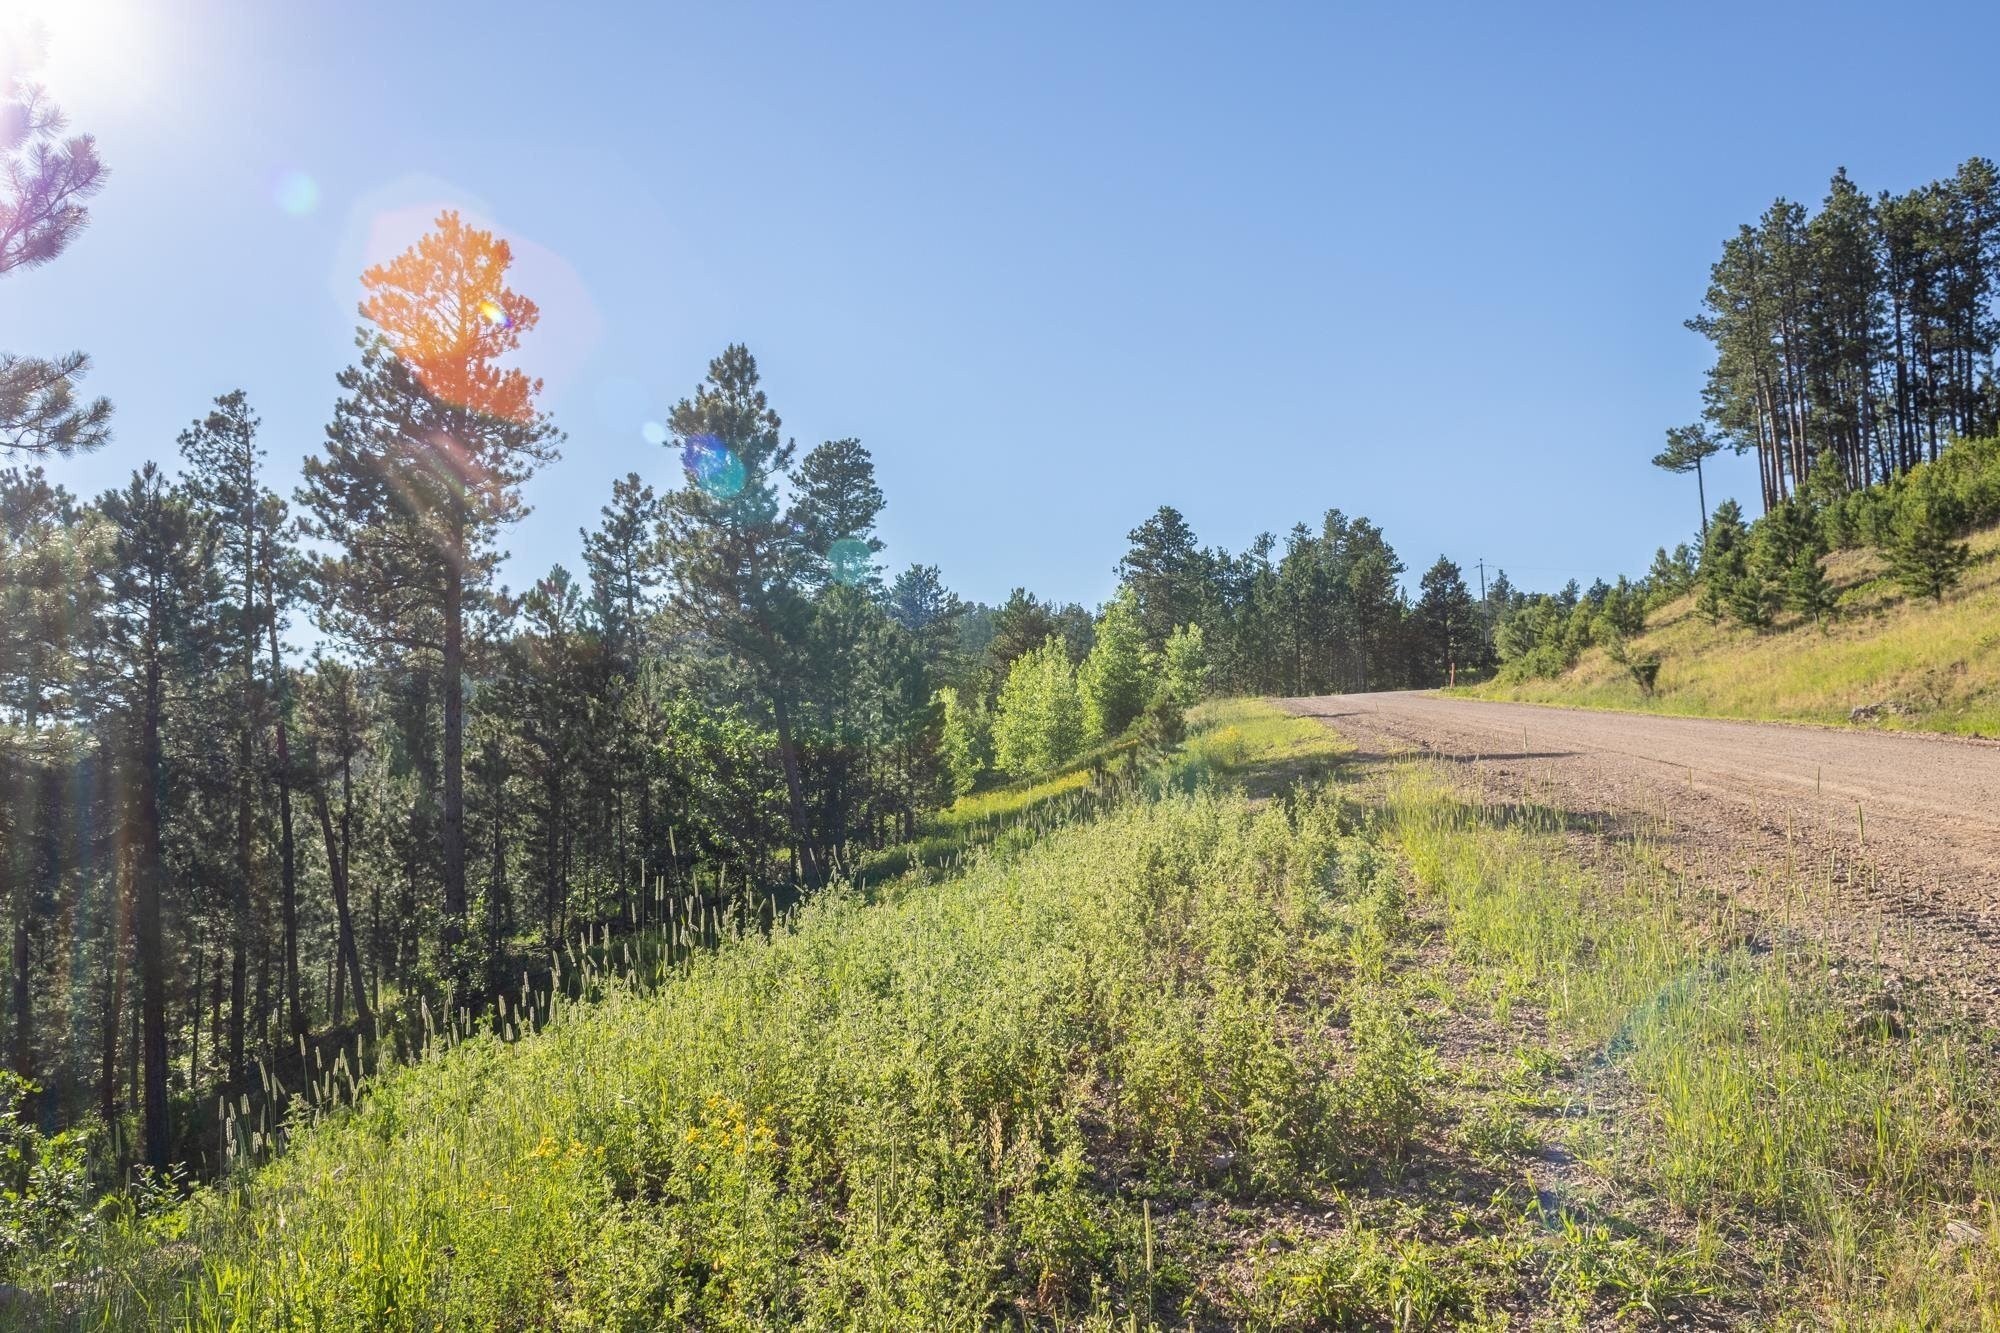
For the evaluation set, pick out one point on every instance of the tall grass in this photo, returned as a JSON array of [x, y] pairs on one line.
[[918, 1114], [1847, 1129]]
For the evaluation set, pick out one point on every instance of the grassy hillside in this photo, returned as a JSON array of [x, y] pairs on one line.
[[1359, 1056], [1927, 666]]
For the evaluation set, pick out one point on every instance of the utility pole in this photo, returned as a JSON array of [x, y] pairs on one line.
[[1482, 578]]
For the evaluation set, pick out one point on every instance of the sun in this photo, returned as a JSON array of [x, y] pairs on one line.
[[94, 56]]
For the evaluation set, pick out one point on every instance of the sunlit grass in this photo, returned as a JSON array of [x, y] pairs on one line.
[[1936, 665], [1840, 1124], [883, 1116], [1015, 799], [1175, 1058]]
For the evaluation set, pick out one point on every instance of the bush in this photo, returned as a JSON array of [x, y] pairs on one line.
[[45, 1209], [1645, 671]]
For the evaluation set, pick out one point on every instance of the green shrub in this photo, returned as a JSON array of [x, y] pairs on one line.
[[46, 1213], [1363, 1280]]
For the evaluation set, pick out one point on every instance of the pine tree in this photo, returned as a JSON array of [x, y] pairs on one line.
[[836, 508], [737, 569], [163, 624], [1747, 592], [930, 613], [1687, 448], [1670, 575], [1165, 571], [1788, 549], [1724, 558], [44, 181], [623, 561], [1808, 591], [622, 557], [544, 698], [1924, 550], [1445, 623], [425, 458], [50, 556], [1375, 601], [1020, 625], [225, 483]]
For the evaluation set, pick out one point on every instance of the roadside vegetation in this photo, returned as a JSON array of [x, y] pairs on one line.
[[1352, 1052], [1883, 658], [1877, 606]]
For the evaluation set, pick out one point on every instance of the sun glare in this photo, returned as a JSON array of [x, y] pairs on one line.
[[93, 55]]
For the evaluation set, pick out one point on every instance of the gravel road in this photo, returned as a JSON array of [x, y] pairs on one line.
[[1903, 831]]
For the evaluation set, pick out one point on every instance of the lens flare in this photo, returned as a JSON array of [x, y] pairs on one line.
[[850, 561], [297, 194], [653, 433], [713, 467], [491, 312]]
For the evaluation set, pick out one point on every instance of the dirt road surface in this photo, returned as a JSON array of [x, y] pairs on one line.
[[1886, 842]]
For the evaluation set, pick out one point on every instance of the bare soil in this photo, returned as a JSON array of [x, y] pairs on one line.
[[1887, 845]]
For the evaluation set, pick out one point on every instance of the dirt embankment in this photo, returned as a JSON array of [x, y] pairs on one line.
[[1885, 844]]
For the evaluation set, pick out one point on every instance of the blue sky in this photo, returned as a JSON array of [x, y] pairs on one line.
[[1054, 264]]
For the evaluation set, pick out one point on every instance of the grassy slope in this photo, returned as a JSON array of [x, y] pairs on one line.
[[1938, 663], [1363, 1057]]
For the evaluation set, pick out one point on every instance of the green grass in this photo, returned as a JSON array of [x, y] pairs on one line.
[[1247, 1046], [1831, 1123], [1935, 666], [1013, 812]]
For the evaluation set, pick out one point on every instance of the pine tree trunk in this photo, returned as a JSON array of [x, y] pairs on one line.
[[150, 931], [347, 955], [1701, 494], [114, 1003], [788, 759], [288, 869], [194, 1027], [453, 832], [239, 902]]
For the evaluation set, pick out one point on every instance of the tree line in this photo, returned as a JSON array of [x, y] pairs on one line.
[[1764, 573], [1862, 335]]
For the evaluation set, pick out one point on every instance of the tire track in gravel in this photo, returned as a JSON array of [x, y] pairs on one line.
[[1883, 843]]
